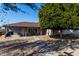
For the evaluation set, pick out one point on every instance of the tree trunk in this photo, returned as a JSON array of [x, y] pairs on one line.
[[53, 32], [61, 33], [41, 32]]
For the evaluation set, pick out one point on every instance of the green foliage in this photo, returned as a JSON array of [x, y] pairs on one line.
[[59, 16]]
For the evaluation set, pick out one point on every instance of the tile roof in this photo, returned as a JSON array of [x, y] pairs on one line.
[[24, 24]]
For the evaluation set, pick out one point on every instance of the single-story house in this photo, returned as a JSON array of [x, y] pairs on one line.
[[32, 28], [24, 28]]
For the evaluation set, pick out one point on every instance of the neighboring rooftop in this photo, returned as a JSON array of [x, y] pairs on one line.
[[23, 24]]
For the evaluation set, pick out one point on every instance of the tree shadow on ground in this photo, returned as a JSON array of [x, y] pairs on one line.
[[42, 46]]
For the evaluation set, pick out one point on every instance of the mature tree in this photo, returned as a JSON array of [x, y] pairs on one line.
[[59, 16]]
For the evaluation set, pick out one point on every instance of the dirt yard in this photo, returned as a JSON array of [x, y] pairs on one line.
[[37, 46], [28, 38]]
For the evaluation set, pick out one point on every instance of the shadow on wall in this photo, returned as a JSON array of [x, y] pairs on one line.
[[66, 34], [74, 32]]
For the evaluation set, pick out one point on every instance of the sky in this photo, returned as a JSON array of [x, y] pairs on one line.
[[14, 17]]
